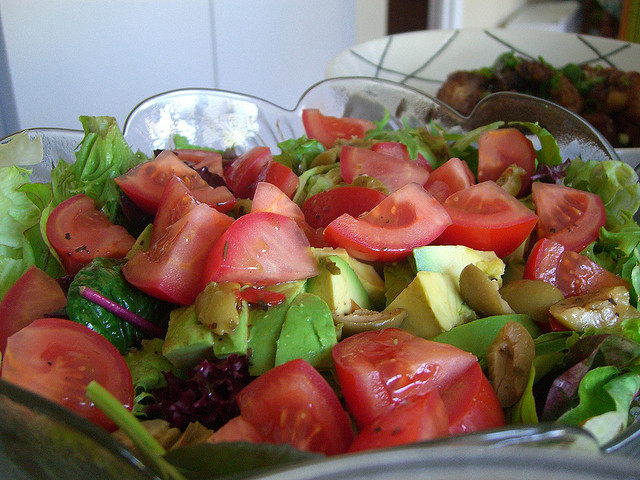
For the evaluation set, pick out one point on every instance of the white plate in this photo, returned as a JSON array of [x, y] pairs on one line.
[[424, 59]]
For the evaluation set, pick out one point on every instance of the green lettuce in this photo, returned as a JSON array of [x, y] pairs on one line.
[[298, 153]]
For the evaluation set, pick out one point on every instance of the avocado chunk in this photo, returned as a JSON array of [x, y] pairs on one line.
[[433, 305], [451, 260], [187, 341], [265, 327], [339, 286], [371, 281], [308, 332], [217, 307]]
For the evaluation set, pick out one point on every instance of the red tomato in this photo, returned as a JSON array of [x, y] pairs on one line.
[[261, 297], [32, 296], [269, 198], [172, 268], [450, 177], [324, 207], [327, 129], [378, 370], [58, 358], [568, 216], [176, 200], [499, 149], [242, 174], [406, 219], [261, 248], [423, 418], [236, 430], [392, 172], [485, 217], [209, 159], [472, 404], [397, 149], [79, 233], [145, 183], [294, 404], [281, 176], [571, 272]]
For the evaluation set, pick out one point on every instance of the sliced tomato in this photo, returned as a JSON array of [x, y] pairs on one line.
[[471, 403], [241, 175], [450, 177], [261, 297], [323, 208], [145, 183], [499, 149], [79, 233], [406, 219], [236, 430], [293, 404], [58, 358], [198, 158], [261, 248], [269, 198], [400, 150], [281, 176], [34, 295], [568, 216], [571, 272], [485, 217], [378, 370], [172, 268], [392, 172], [176, 200], [327, 129], [422, 418]]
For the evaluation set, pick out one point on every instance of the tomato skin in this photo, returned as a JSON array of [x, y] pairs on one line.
[[568, 216], [261, 248], [32, 296], [450, 177], [406, 219], [281, 176], [471, 403], [498, 149], [236, 430], [324, 207], [242, 174], [485, 217], [571, 272], [261, 297], [175, 202], [327, 129], [79, 233], [423, 418], [58, 358], [400, 150], [392, 172], [293, 404], [378, 370], [172, 268]]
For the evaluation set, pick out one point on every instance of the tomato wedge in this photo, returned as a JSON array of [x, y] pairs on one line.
[[323, 208], [242, 174], [172, 268], [392, 172], [58, 358], [450, 177], [34, 295], [175, 202], [406, 219], [281, 176], [197, 159], [79, 233], [568, 216], [400, 150], [499, 149], [378, 370], [485, 217], [261, 248], [293, 404], [327, 129]]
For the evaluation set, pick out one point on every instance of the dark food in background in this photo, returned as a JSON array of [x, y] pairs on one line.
[[608, 98]]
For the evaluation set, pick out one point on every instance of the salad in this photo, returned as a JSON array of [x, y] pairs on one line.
[[361, 288]]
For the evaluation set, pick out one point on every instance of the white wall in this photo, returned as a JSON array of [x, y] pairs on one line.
[[96, 57]]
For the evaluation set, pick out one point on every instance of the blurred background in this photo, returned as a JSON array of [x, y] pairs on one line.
[[59, 60]]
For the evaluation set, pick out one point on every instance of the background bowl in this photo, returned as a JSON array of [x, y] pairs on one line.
[[424, 59]]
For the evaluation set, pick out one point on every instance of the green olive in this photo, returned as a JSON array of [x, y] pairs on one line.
[[533, 297], [362, 320], [481, 293]]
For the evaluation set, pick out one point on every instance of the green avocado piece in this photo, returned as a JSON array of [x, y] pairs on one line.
[[451, 260], [187, 341], [433, 305], [339, 286], [308, 332], [265, 327]]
